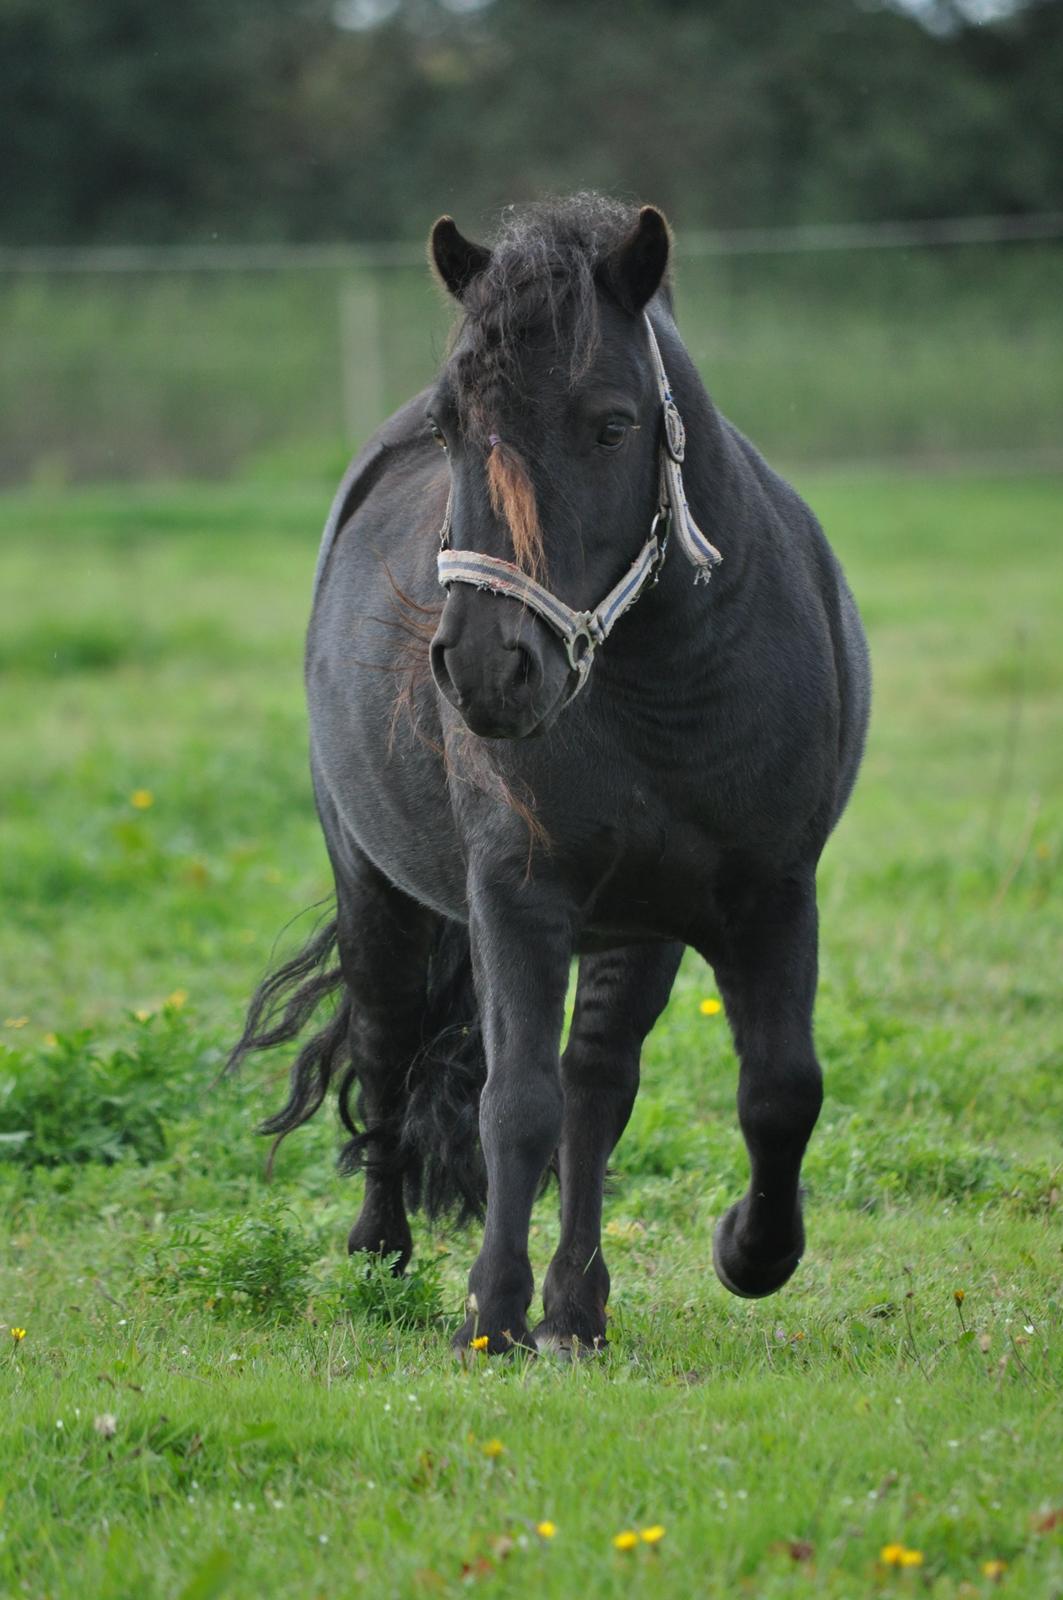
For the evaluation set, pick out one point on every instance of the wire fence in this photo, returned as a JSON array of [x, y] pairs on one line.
[[923, 341]]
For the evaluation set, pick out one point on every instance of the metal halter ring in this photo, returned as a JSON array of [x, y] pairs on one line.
[[580, 659]]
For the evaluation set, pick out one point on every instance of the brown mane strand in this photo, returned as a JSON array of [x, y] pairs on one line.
[[513, 497]]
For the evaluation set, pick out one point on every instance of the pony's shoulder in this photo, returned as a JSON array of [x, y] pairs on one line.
[[405, 428]]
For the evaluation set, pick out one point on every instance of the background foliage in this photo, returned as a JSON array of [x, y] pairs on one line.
[[271, 119]]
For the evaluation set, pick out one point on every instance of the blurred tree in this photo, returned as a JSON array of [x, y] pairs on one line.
[[299, 119]]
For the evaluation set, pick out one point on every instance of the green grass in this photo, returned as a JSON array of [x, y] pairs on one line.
[[211, 1400]]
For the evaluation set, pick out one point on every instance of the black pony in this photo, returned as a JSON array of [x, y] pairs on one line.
[[572, 748]]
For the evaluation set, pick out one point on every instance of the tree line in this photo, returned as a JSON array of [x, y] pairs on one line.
[[160, 120]]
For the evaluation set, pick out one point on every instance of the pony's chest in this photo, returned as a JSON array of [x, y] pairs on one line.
[[639, 864]]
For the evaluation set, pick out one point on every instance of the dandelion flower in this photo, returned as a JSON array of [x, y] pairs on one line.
[[710, 1007], [994, 1569], [652, 1535], [911, 1558], [141, 799], [18, 1334], [143, 1014], [479, 1343], [177, 999], [494, 1448], [15, 1022], [51, 1040], [959, 1295], [626, 1540], [890, 1555], [545, 1530]]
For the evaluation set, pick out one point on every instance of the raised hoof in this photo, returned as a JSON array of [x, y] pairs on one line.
[[750, 1276]]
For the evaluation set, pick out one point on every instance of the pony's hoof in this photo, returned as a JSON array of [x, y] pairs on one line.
[[743, 1273], [469, 1342], [373, 1239], [550, 1341]]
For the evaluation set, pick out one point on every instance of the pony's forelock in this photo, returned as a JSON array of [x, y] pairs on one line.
[[513, 498], [542, 275]]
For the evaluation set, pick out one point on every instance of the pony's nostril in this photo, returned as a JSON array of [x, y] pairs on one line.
[[437, 657]]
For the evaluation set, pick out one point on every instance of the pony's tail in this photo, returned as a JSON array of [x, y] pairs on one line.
[[443, 1165], [439, 1145]]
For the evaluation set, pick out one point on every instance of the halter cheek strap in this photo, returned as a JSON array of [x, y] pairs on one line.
[[581, 632], [672, 499]]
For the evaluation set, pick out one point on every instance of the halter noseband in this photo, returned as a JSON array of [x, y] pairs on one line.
[[581, 632]]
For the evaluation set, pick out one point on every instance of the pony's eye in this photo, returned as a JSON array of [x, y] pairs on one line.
[[613, 434], [437, 433]]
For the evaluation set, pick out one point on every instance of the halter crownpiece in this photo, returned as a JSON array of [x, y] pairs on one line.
[[581, 632]]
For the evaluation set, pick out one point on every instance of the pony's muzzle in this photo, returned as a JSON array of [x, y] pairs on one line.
[[489, 664]]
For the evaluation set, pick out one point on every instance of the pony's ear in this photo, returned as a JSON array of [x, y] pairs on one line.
[[456, 260], [635, 270]]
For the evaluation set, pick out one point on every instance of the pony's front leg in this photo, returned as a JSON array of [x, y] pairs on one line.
[[767, 976], [521, 950], [620, 995]]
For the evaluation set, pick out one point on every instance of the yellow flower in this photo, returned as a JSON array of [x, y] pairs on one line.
[[177, 999], [652, 1535], [51, 1040], [710, 1008], [15, 1022], [18, 1334], [898, 1555], [959, 1296], [994, 1569], [141, 799], [545, 1530], [143, 1015], [626, 1540], [479, 1343], [494, 1448]]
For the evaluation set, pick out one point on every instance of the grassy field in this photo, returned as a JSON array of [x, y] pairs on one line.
[[209, 1400]]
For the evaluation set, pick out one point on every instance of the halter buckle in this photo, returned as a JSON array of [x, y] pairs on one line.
[[675, 434]]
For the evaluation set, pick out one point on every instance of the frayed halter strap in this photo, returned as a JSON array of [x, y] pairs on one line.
[[581, 632]]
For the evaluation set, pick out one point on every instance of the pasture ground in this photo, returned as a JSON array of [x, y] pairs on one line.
[[209, 1400]]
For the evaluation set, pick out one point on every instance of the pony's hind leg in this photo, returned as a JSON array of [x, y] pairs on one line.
[[619, 997], [767, 976], [385, 940]]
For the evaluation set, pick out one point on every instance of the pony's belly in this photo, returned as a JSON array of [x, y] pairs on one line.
[[393, 808]]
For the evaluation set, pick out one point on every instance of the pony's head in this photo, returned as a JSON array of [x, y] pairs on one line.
[[549, 410]]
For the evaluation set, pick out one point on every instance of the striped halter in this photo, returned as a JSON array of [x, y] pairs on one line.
[[581, 632]]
